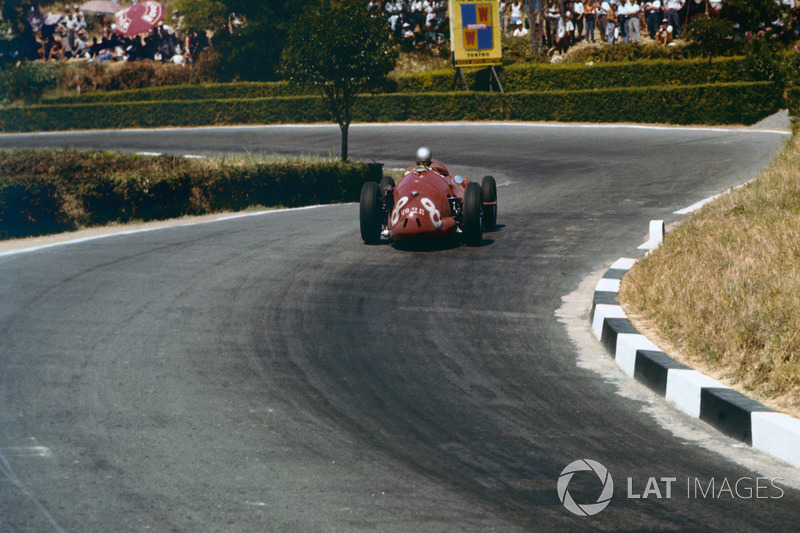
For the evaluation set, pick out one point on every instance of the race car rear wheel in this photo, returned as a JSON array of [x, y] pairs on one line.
[[489, 188], [371, 214], [473, 200]]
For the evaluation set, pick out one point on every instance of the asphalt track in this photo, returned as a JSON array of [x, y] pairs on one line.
[[272, 373]]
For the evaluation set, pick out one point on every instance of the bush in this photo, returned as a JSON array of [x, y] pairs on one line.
[[29, 206], [215, 91], [793, 103], [723, 103], [711, 36], [28, 81], [42, 191]]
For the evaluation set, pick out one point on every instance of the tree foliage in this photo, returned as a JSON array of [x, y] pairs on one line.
[[340, 48], [711, 35], [249, 35], [754, 14]]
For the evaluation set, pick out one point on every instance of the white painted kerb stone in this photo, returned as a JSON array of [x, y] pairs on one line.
[[603, 311], [683, 389], [627, 346], [623, 263], [608, 285], [778, 435]]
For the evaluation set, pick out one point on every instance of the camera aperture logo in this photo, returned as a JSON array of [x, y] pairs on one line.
[[585, 509]]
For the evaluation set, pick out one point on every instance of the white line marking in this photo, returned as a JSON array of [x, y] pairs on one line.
[[653, 127], [145, 230], [697, 205], [8, 472]]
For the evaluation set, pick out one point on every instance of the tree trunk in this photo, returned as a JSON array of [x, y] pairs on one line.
[[345, 127]]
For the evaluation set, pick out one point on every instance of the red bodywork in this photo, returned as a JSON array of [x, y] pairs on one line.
[[422, 202]]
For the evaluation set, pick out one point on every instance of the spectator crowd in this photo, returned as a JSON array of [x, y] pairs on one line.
[[425, 23], [64, 36], [610, 21], [414, 23]]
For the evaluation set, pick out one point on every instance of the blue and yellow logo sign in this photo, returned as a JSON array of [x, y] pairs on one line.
[[475, 32]]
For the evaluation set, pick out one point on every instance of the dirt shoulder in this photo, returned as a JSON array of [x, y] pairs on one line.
[[16, 245]]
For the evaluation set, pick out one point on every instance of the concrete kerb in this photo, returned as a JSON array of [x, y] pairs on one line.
[[696, 394]]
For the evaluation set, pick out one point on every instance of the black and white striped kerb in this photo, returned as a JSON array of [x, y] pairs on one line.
[[696, 394]]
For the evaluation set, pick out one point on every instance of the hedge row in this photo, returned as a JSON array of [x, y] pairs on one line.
[[515, 78], [723, 103], [539, 77], [211, 91], [45, 191]]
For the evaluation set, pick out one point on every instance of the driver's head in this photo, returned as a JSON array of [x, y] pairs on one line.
[[423, 156]]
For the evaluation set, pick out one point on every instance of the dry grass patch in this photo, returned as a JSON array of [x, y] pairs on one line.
[[724, 288]]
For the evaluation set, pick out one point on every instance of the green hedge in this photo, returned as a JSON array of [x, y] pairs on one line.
[[723, 103], [216, 91], [44, 191], [515, 78], [545, 77]]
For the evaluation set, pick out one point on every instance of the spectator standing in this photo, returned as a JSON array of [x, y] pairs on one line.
[[80, 21], [634, 29], [653, 16], [516, 13], [417, 14], [611, 26], [673, 8], [68, 36], [590, 18], [602, 9], [622, 20], [563, 33], [579, 16], [552, 16], [65, 43]]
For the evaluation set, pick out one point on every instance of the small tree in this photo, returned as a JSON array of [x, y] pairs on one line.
[[712, 36], [340, 48]]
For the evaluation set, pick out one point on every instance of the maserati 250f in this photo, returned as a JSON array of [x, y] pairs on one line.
[[430, 202]]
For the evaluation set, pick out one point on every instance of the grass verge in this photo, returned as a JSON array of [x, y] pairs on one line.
[[722, 294]]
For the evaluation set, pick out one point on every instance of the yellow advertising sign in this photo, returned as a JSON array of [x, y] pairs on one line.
[[475, 32]]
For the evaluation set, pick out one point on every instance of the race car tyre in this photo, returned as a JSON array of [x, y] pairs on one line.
[[473, 200], [386, 182], [489, 188], [371, 213]]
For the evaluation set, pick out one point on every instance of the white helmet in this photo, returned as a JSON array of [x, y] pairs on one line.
[[424, 156]]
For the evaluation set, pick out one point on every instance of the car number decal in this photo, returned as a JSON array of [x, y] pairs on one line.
[[397, 207], [436, 216]]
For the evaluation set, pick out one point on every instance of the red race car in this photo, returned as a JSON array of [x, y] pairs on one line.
[[430, 202]]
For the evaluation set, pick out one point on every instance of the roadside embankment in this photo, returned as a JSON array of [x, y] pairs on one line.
[[722, 293]]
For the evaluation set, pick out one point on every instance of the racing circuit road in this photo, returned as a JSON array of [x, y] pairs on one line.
[[272, 373]]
